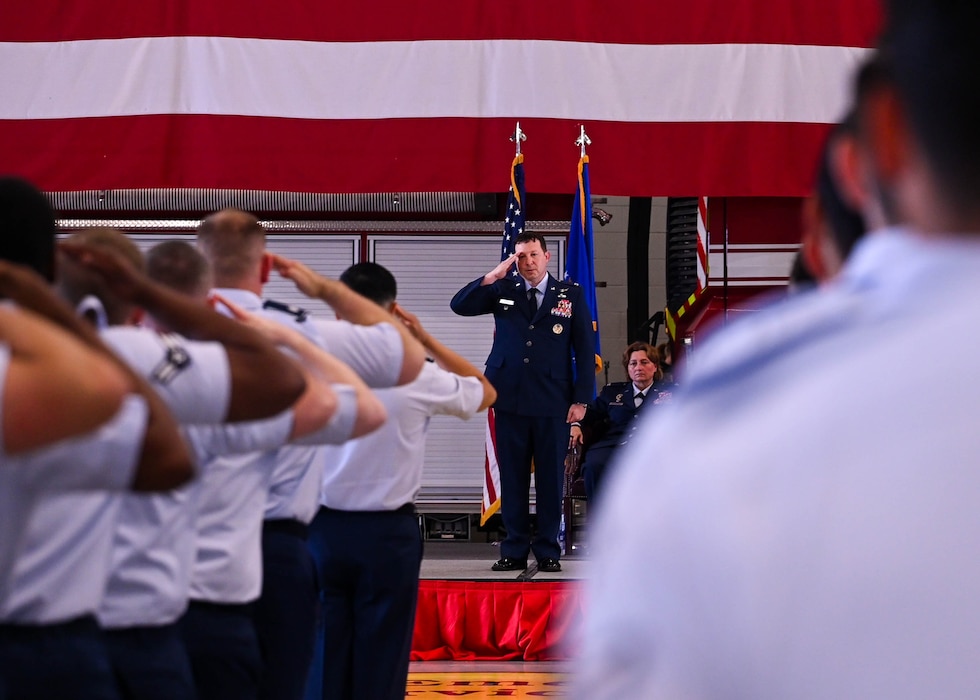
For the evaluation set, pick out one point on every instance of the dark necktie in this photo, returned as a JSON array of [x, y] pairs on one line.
[[638, 400], [532, 297]]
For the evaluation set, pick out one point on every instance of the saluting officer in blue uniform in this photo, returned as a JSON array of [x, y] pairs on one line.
[[542, 366]]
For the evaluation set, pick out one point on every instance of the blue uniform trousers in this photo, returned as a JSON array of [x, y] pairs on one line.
[[594, 469], [368, 567], [150, 663], [66, 660], [285, 614], [519, 438], [223, 649]]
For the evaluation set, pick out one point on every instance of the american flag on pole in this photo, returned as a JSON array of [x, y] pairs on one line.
[[580, 260], [734, 97], [513, 227]]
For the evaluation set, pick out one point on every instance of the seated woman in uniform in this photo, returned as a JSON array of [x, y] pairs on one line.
[[609, 419]]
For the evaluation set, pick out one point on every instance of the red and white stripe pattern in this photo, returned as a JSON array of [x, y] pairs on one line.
[[703, 269], [491, 472], [720, 98], [754, 264], [703, 242]]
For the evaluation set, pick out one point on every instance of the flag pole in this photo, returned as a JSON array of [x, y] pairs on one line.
[[517, 137], [514, 223], [580, 265], [583, 140]]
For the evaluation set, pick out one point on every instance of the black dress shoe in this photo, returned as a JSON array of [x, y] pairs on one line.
[[508, 564], [550, 565]]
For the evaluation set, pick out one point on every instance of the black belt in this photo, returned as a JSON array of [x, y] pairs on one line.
[[227, 608], [287, 527], [407, 509], [85, 623], [142, 632]]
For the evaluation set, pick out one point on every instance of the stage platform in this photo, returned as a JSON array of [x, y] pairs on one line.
[[467, 612], [471, 561]]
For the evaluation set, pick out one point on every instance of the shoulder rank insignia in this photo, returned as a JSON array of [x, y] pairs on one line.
[[295, 311], [175, 360]]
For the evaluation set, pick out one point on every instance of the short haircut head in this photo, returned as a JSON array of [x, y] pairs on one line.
[[845, 223], [75, 282], [871, 75], [372, 281], [233, 241], [179, 266], [27, 226], [530, 236], [931, 49]]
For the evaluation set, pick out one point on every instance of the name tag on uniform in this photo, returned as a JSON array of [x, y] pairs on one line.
[[506, 302]]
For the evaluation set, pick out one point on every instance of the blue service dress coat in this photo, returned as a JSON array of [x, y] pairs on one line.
[[532, 368], [540, 363], [612, 420]]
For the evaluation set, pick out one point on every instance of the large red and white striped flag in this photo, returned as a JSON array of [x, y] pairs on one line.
[[699, 97]]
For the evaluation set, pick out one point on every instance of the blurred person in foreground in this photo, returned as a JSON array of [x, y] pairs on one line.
[[814, 534], [844, 205]]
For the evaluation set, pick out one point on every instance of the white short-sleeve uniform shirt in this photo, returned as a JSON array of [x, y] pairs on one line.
[[383, 470], [192, 377], [228, 562], [63, 564], [375, 353], [37, 582], [155, 541], [293, 461]]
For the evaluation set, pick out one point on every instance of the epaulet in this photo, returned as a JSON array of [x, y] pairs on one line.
[[299, 314], [616, 385]]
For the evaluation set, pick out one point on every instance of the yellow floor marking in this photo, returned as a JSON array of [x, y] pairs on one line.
[[486, 685]]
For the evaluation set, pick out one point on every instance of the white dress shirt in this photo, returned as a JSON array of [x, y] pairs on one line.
[[383, 470], [234, 491], [54, 535], [154, 546], [375, 353], [104, 459], [63, 565]]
